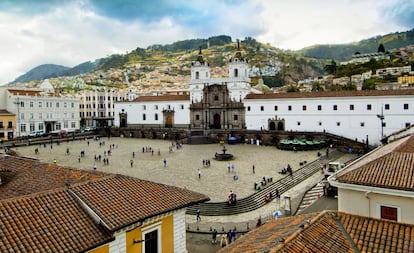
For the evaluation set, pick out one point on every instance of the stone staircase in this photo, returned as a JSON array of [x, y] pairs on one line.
[[256, 200], [310, 197]]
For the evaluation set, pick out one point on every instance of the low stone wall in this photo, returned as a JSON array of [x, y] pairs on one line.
[[243, 136]]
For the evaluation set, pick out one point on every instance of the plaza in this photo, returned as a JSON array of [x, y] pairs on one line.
[[181, 168]]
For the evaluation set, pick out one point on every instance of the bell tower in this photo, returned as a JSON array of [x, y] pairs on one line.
[[200, 76]]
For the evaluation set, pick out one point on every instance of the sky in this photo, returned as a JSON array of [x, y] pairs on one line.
[[70, 32]]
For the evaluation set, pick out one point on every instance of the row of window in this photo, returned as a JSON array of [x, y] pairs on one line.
[[47, 104], [49, 115], [101, 98], [9, 124], [361, 124], [334, 107], [235, 117], [40, 126], [94, 114], [101, 106], [144, 107]]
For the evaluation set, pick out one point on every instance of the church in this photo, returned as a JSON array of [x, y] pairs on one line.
[[212, 103], [231, 103]]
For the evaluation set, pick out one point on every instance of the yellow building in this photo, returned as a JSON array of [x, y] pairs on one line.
[[7, 125], [405, 79], [50, 208]]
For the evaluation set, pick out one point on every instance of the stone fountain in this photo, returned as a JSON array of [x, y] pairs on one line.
[[223, 156]]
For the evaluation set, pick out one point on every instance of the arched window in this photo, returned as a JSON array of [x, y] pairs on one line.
[[236, 72], [144, 117], [197, 75], [156, 116]]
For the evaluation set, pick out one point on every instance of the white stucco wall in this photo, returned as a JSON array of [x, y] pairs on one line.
[[360, 203], [357, 123], [179, 231], [136, 110]]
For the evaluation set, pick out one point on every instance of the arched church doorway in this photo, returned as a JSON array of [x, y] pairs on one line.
[[272, 126], [216, 124], [169, 121], [123, 123], [280, 126]]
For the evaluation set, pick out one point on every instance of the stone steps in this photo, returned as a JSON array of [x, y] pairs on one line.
[[256, 200], [310, 197]]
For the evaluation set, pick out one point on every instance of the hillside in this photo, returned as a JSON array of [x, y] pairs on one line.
[[342, 52], [170, 65]]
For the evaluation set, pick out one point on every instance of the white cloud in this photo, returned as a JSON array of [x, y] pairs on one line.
[[295, 24], [73, 33]]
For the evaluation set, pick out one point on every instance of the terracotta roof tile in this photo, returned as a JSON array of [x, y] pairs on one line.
[[22, 176], [5, 112], [331, 94], [328, 231], [394, 169], [121, 200], [49, 222]]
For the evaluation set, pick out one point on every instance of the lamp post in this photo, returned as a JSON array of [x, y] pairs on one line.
[[18, 123], [381, 117]]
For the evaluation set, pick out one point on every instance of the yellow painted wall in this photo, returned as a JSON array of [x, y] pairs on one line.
[[167, 234], [5, 130], [132, 235], [102, 249]]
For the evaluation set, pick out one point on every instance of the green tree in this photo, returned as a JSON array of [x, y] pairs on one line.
[[330, 68], [292, 88], [381, 48], [369, 84], [349, 86]]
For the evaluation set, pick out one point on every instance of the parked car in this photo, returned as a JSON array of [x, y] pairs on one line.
[[37, 134]]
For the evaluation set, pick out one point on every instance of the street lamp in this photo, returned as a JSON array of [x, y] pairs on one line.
[[381, 117]]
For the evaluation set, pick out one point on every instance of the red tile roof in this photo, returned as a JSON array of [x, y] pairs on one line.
[[48, 222], [5, 112], [320, 94], [23, 92], [41, 205], [328, 231], [22, 176], [121, 200], [162, 98], [394, 169]]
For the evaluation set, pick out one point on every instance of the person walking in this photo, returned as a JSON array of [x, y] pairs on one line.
[[131, 162], [199, 173], [198, 218], [165, 162], [214, 237], [253, 168]]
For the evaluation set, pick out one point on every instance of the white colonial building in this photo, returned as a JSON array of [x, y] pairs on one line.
[[154, 111], [40, 110], [97, 106], [352, 114]]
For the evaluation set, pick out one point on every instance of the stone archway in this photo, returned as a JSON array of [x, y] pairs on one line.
[[272, 125], [281, 126], [216, 118]]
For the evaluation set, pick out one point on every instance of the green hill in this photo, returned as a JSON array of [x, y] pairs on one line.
[[342, 52]]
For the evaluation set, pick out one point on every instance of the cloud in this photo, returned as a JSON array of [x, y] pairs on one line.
[[69, 32]]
